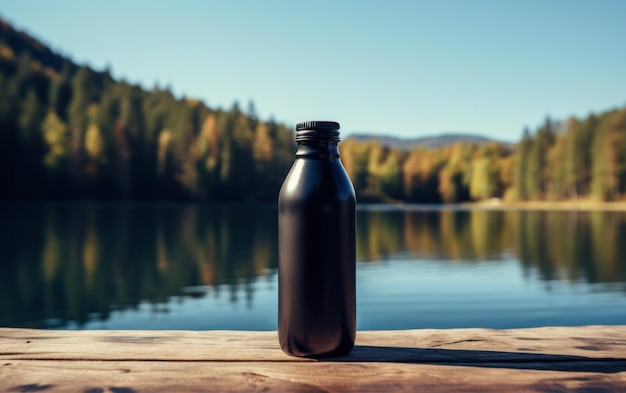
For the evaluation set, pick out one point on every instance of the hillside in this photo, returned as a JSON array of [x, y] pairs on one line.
[[22, 43], [434, 141], [69, 132]]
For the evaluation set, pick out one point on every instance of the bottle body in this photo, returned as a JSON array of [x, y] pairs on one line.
[[317, 255]]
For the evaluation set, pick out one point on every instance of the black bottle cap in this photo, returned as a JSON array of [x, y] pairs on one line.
[[317, 125], [317, 131]]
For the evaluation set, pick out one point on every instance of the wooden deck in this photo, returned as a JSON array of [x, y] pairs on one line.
[[551, 359]]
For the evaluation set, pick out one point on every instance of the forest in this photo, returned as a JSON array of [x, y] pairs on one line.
[[69, 132]]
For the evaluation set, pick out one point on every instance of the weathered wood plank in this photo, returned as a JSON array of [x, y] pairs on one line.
[[146, 376], [401, 345], [466, 360]]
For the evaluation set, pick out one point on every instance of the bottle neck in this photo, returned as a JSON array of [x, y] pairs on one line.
[[317, 149]]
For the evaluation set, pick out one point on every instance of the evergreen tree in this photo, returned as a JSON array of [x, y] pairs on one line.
[[135, 162], [251, 115], [454, 176], [61, 92], [242, 160], [485, 178], [8, 137], [208, 158], [537, 170], [421, 179], [106, 183], [30, 148], [57, 158], [264, 174], [377, 154], [584, 141], [577, 160], [520, 182], [184, 132], [10, 98], [168, 188], [557, 173], [354, 156], [82, 96], [390, 176], [619, 129], [607, 141], [96, 160]]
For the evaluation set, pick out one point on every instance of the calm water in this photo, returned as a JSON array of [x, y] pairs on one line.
[[190, 267]]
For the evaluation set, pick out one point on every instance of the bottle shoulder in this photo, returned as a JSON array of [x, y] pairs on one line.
[[317, 179]]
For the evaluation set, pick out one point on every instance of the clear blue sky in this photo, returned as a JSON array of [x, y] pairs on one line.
[[405, 68]]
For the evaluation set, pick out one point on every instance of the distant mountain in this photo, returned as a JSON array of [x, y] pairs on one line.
[[433, 141]]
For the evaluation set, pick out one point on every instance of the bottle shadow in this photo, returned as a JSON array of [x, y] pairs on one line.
[[481, 358]]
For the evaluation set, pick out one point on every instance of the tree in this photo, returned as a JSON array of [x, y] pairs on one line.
[[537, 176], [619, 130], [57, 158], [376, 156], [242, 160], [421, 180], [262, 151], [454, 176], [82, 97], [30, 147], [8, 136], [354, 156], [61, 92], [605, 157], [520, 182], [557, 160], [582, 142], [251, 115], [577, 140], [168, 187], [208, 158], [483, 183], [95, 155], [390, 176], [136, 158]]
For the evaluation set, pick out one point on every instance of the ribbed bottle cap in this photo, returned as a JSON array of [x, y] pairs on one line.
[[317, 125], [317, 130]]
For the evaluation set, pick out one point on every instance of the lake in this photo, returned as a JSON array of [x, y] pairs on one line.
[[134, 266]]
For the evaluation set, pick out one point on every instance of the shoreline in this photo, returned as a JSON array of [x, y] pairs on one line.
[[492, 204], [499, 205], [575, 205]]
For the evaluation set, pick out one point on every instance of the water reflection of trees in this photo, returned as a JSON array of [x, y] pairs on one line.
[[442, 235], [576, 246], [81, 263]]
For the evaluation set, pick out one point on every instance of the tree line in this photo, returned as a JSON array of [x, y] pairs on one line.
[[68, 132], [74, 133], [574, 159]]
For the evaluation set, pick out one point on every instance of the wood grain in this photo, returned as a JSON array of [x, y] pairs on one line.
[[550, 359]]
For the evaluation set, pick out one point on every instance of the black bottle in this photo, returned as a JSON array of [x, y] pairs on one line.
[[317, 252]]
